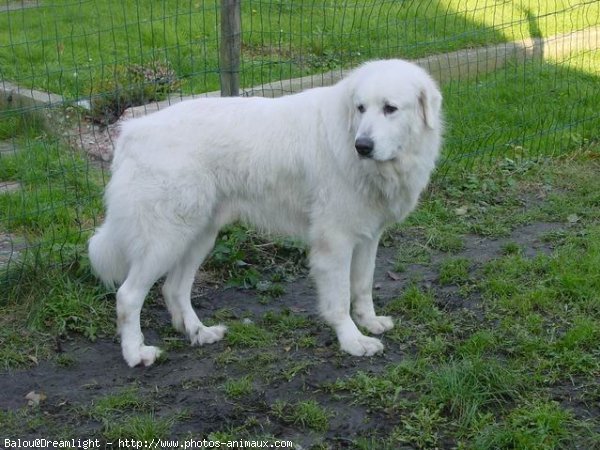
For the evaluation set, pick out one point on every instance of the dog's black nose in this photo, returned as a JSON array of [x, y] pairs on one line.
[[364, 146]]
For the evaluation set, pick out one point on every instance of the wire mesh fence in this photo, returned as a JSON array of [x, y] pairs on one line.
[[520, 80]]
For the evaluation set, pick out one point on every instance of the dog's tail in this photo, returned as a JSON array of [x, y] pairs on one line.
[[108, 260]]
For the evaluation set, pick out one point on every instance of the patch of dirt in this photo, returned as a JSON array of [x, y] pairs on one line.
[[191, 379], [95, 140], [529, 238]]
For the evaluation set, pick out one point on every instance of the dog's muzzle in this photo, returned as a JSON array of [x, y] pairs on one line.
[[364, 146]]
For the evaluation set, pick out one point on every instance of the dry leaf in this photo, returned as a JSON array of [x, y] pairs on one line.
[[394, 275], [33, 398], [461, 211]]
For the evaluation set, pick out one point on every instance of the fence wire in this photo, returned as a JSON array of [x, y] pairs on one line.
[[520, 80]]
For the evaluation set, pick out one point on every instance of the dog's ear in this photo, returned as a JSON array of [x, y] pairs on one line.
[[350, 110], [349, 83], [430, 103], [350, 113]]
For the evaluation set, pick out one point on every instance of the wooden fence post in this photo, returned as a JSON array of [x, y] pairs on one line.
[[230, 47]]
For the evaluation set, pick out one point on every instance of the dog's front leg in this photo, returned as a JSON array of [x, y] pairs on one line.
[[361, 284], [330, 261]]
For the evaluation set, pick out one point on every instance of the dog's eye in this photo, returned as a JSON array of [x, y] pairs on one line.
[[361, 108], [389, 109]]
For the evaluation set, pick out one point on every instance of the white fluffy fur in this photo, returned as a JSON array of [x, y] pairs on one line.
[[286, 165]]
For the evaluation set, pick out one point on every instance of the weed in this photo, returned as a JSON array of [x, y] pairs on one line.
[[248, 335], [20, 347], [143, 427], [306, 341], [412, 253], [285, 323], [478, 344], [24, 420], [132, 85], [414, 303], [18, 124], [226, 357], [239, 252], [65, 360], [469, 387], [124, 416], [72, 307], [511, 248], [433, 347], [307, 414], [111, 405], [289, 372], [445, 240], [534, 425], [455, 271], [420, 428], [270, 290], [237, 388], [386, 390]]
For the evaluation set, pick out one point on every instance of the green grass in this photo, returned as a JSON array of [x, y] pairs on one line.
[[420, 428], [59, 189], [15, 423], [415, 304], [503, 114], [495, 352], [306, 414], [73, 50], [481, 377], [48, 303], [236, 388], [455, 271], [15, 123], [142, 427], [130, 414], [59, 197], [248, 335], [468, 388], [47, 289], [487, 374], [127, 400], [538, 425]]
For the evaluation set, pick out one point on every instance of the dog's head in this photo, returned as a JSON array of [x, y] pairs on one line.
[[393, 104]]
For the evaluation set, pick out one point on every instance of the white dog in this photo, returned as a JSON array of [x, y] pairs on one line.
[[331, 165]]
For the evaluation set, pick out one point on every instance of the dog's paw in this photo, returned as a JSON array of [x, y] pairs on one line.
[[208, 335], [361, 345], [376, 324], [144, 354]]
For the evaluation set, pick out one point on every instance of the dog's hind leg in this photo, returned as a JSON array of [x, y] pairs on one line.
[[177, 293], [361, 284], [130, 299]]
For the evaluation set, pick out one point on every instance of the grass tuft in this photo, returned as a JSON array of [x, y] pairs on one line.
[[248, 335], [468, 388], [307, 414]]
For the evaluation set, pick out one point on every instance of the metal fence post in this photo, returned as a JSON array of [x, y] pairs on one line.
[[230, 47]]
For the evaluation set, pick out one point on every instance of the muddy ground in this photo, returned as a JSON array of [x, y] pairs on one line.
[[188, 383]]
